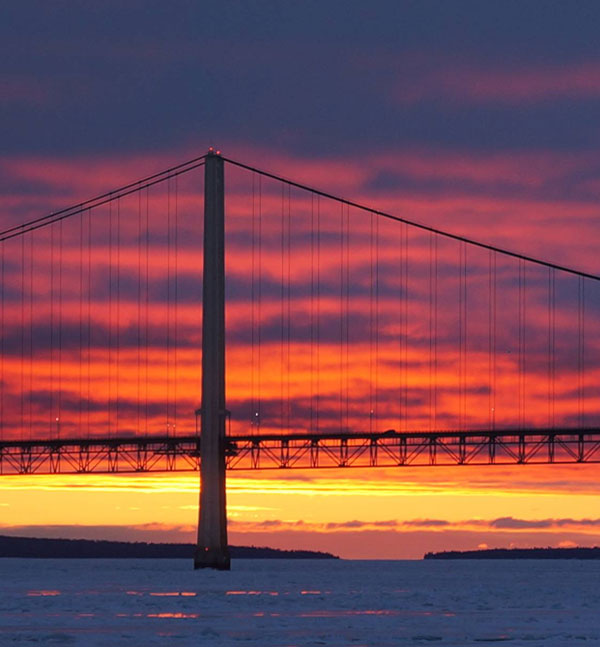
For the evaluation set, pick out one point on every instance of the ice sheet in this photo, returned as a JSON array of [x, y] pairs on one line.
[[299, 602]]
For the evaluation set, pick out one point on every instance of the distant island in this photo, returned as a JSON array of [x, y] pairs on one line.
[[89, 548], [518, 553]]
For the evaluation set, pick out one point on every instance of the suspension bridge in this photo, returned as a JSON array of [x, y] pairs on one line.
[[343, 337]]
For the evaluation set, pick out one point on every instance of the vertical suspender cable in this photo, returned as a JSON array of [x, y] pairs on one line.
[[147, 309], [168, 295], [31, 271], [553, 351], [583, 418], [139, 312], [460, 335], [522, 361], [431, 237], [110, 313], [401, 330], [2, 376], [580, 347], [259, 333], [405, 305], [549, 353], [118, 330], [435, 330], [490, 353], [579, 352], [318, 318], [341, 324], [282, 314], [312, 310], [253, 412], [376, 407], [60, 325], [89, 321], [22, 331], [494, 353], [80, 394], [347, 317], [463, 334], [466, 337], [520, 365], [51, 336], [524, 354], [176, 307], [371, 289], [289, 306]]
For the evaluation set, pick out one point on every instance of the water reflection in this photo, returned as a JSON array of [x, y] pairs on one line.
[[179, 614], [251, 593]]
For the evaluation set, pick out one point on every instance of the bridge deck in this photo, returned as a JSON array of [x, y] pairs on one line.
[[118, 455]]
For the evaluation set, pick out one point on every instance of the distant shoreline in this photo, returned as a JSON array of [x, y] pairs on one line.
[[518, 553], [34, 547]]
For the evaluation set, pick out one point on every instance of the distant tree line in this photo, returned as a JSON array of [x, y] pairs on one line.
[[89, 548], [518, 553]]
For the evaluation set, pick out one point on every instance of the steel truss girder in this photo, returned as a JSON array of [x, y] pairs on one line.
[[100, 455], [305, 451], [414, 449]]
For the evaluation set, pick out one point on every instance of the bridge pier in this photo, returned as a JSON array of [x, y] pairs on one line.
[[212, 549]]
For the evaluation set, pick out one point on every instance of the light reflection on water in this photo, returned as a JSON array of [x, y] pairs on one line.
[[251, 592], [325, 613]]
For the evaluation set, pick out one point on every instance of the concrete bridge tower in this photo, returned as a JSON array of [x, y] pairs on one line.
[[212, 550]]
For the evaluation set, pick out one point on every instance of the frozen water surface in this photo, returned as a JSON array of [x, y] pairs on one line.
[[288, 602]]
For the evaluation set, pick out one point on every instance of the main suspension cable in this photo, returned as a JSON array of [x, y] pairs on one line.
[[412, 223], [74, 210]]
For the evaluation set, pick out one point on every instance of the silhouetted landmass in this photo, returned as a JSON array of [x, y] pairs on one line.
[[518, 553], [88, 548]]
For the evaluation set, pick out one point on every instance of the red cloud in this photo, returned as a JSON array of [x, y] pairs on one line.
[[481, 196]]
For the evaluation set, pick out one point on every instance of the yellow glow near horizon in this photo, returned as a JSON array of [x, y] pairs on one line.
[[287, 513]]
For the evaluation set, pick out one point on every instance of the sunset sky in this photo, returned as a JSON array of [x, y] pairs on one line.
[[476, 118]]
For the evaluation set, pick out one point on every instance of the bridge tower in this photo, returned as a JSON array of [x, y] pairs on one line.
[[212, 550]]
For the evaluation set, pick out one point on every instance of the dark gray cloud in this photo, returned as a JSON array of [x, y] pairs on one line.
[[510, 523], [427, 523], [307, 76], [415, 525], [141, 532]]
